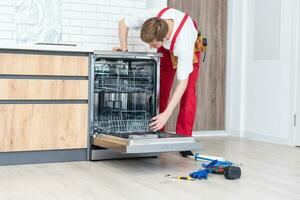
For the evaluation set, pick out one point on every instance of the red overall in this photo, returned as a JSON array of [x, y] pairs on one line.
[[186, 116]]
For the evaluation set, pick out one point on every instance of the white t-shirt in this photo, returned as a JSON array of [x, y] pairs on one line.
[[184, 45]]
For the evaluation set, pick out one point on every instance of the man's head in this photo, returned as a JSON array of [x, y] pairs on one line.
[[154, 31]]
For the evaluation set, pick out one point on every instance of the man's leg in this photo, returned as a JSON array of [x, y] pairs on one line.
[[166, 79], [186, 116]]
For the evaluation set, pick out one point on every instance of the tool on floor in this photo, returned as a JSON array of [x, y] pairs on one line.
[[217, 165], [217, 169], [230, 170], [188, 178], [200, 174], [221, 160], [207, 157], [203, 173]]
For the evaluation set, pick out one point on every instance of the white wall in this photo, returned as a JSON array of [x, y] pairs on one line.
[[156, 3], [261, 68], [297, 74], [83, 22], [236, 29]]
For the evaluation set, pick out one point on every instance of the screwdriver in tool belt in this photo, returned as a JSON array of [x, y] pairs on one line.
[[188, 178]]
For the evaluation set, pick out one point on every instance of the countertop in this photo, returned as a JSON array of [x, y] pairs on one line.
[[47, 47], [70, 48]]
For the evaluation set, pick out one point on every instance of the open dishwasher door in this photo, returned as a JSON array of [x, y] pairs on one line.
[[148, 143], [124, 98]]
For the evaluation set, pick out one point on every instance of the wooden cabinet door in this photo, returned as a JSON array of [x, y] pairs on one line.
[[26, 89], [33, 64], [29, 127], [211, 18]]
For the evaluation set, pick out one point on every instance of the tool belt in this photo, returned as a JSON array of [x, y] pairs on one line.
[[200, 46]]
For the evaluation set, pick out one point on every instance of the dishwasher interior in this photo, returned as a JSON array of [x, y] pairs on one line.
[[124, 98]]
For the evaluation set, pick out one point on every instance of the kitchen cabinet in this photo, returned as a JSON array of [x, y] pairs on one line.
[[43, 100]]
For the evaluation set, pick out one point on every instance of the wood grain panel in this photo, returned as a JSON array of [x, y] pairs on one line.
[[210, 16], [29, 127], [43, 89], [29, 64], [1, 138]]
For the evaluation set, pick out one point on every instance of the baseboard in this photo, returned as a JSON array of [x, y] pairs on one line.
[[265, 138], [210, 133], [235, 133], [244, 134], [47, 156]]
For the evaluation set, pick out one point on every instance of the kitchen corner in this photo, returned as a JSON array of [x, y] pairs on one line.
[[51, 107]]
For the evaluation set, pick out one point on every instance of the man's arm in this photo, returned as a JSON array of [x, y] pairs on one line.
[[184, 68], [160, 120], [123, 34], [132, 22]]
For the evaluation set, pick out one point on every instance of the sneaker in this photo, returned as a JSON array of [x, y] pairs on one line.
[[186, 154]]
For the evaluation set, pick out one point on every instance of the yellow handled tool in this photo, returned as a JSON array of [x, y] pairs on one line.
[[188, 178]]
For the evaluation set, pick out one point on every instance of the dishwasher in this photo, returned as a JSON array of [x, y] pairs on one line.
[[124, 91]]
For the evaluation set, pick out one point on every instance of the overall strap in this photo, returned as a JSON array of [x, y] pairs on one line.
[[177, 31], [195, 24], [162, 12]]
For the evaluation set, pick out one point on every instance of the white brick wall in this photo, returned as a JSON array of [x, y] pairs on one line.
[[84, 22]]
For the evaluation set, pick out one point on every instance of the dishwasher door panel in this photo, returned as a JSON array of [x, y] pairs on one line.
[[165, 142]]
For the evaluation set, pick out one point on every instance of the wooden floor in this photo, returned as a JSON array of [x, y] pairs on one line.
[[269, 172]]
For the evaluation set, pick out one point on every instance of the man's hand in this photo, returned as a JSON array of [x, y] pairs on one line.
[[120, 49], [159, 121]]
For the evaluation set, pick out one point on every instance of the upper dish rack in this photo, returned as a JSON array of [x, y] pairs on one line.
[[120, 76]]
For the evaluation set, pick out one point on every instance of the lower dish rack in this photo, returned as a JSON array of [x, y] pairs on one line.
[[122, 122]]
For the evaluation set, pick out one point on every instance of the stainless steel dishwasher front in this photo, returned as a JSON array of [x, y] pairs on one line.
[[124, 90]]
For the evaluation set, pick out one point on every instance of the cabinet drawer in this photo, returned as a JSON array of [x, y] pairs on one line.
[[27, 127], [30, 64], [43, 89]]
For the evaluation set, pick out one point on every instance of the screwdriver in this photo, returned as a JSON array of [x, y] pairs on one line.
[[188, 178]]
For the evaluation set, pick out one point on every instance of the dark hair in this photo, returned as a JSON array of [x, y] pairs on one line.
[[154, 29]]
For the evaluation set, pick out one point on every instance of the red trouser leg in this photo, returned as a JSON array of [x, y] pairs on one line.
[[166, 79], [188, 104], [186, 116]]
